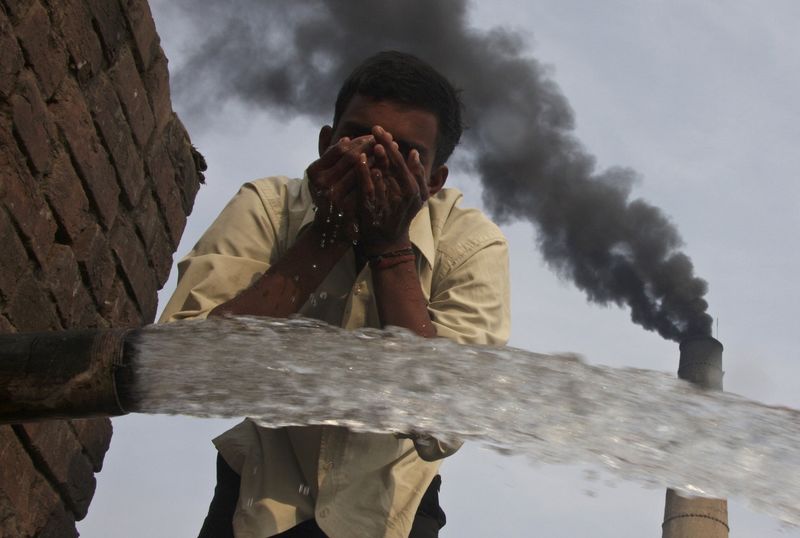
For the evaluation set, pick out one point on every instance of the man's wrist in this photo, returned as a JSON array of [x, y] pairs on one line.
[[379, 248]]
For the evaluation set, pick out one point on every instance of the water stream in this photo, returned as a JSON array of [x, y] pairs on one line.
[[639, 424]]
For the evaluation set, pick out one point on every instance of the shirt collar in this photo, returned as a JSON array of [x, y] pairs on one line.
[[420, 231]]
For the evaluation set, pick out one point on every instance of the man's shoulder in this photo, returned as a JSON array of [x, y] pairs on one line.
[[453, 224], [280, 194], [276, 186]]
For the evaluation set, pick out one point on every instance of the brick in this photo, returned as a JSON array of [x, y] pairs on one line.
[[25, 204], [6, 327], [133, 260], [143, 29], [32, 125], [32, 501], [113, 127], [61, 524], [30, 308], [89, 157], [111, 26], [11, 60], [94, 435], [64, 193], [48, 60], [64, 281], [133, 97], [189, 163], [73, 22], [156, 80], [152, 230], [167, 193], [17, 8], [13, 262], [121, 310], [55, 447], [97, 265]]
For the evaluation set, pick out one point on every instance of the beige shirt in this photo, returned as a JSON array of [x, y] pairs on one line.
[[354, 484]]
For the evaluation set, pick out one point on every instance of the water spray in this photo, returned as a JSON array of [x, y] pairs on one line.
[[637, 424]]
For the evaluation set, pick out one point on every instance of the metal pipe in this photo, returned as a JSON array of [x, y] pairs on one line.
[[65, 374], [694, 517]]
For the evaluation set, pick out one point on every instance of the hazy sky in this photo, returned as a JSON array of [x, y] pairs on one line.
[[700, 99]]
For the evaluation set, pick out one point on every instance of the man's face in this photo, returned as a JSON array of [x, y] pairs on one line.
[[411, 127]]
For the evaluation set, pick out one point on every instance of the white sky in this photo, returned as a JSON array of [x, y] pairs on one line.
[[701, 99]]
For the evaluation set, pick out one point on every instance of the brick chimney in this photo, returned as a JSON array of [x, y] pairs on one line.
[[97, 176]]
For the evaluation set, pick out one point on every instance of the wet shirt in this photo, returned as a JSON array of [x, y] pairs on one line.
[[354, 484]]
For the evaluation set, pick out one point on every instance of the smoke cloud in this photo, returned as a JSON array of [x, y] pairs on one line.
[[290, 57]]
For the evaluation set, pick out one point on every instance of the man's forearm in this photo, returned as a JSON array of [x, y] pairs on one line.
[[398, 293], [288, 283]]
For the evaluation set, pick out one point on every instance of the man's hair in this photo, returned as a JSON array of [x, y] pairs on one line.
[[402, 77]]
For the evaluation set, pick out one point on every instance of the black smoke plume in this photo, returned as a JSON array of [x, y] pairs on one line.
[[291, 56]]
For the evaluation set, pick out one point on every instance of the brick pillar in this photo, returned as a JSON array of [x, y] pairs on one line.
[[97, 176]]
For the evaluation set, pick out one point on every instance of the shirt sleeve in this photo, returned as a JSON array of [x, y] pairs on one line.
[[229, 257], [470, 303]]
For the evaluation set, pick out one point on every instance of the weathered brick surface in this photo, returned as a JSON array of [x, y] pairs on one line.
[[30, 308], [17, 8], [88, 154], [32, 125], [6, 327], [97, 176], [155, 238], [63, 278], [56, 449], [94, 434], [30, 505], [64, 193], [132, 259], [10, 56], [132, 95], [49, 61], [121, 308], [111, 26], [97, 264], [144, 31], [156, 80], [186, 159], [73, 22], [13, 262], [113, 127], [23, 201], [168, 193]]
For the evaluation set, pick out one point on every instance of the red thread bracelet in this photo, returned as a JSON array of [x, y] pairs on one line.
[[384, 262]]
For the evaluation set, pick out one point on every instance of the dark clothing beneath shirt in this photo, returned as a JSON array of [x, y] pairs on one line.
[[219, 521]]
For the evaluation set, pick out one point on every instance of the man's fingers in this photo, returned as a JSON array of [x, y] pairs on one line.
[[342, 187], [347, 156], [364, 177], [341, 149], [415, 166], [380, 189], [396, 162], [381, 159]]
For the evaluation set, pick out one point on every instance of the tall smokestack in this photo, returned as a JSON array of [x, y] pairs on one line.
[[692, 517], [291, 56]]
